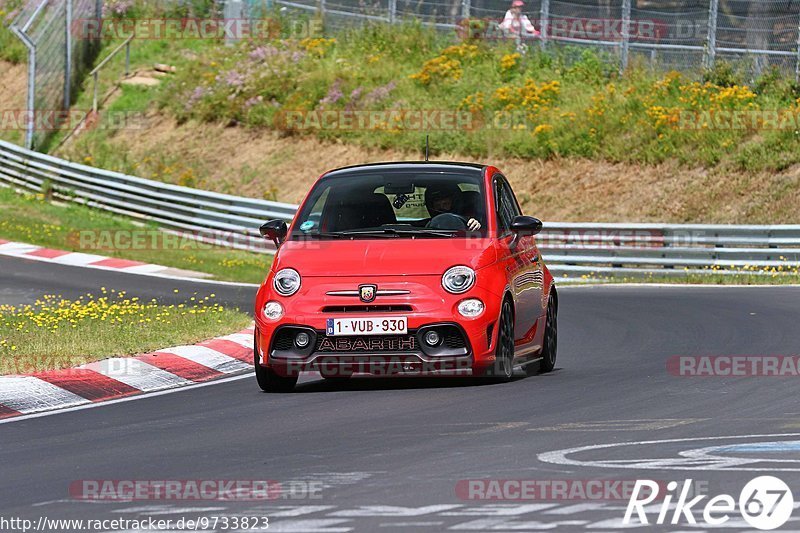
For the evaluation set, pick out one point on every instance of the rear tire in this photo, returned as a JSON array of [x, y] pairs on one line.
[[268, 379], [503, 368], [550, 345]]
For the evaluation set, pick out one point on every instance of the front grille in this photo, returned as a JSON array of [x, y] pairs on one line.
[[367, 309], [367, 344], [453, 338], [284, 340]]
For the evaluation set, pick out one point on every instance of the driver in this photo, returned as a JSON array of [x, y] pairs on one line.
[[445, 198]]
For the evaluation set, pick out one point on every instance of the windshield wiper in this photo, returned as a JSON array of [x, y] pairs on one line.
[[383, 232], [402, 231], [346, 234]]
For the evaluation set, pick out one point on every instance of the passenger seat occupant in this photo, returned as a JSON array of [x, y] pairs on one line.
[[447, 198], [371, 210]]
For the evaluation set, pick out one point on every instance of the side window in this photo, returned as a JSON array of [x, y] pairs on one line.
[[512, 200], [507, 207]]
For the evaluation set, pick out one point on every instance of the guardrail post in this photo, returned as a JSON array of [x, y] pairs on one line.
[[710, 55], [94, 97], [544, 23], [233, 10], [68, 55], [466, 6], [392, 11], [626, 35], [797, 63]]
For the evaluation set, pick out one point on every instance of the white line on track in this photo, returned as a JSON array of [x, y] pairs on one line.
[[138, 272], [126, 399], [92, 405]]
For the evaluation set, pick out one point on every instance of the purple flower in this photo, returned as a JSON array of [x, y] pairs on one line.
[[263, 52], [234, 79], [334, 93], [196, 96], [380, 93], [297, 56], [254, 101]]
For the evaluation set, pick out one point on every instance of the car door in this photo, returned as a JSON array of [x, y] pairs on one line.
[[523, 265]]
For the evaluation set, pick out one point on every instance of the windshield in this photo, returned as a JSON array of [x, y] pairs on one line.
[[399, 204]]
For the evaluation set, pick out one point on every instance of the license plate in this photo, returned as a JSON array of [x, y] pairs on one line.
[[396, 325]]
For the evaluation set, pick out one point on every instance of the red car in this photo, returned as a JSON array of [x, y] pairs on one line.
[[399, 268]]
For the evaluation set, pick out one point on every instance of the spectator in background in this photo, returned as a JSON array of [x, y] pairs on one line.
[[516, 24]]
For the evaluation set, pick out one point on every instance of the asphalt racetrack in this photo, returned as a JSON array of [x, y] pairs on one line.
[[394, 454]]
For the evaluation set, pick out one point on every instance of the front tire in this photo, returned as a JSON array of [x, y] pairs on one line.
[[503, 368], [268, 379], [550, 345]]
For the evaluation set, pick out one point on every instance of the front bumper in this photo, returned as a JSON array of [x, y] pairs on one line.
[[467, 343]]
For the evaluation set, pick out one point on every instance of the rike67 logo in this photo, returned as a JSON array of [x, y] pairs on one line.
[[765, 503]]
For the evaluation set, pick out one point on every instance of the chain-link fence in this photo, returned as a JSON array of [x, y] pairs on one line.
[[56, 60], [686, 35]]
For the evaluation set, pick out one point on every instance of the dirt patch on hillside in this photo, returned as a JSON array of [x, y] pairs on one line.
[[263, 164], [13, 96], [13, 85]]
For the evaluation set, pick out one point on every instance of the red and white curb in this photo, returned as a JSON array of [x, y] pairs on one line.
[[118, 377], [62, 257]]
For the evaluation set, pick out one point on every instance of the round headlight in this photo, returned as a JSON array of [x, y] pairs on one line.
[[287, 281], [470, 308], [458, 279], [273, 310]]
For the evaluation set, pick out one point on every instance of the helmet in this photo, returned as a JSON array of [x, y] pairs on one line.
[[437, 191]]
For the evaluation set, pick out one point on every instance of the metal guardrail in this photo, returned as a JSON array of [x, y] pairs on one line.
[[574, 250]]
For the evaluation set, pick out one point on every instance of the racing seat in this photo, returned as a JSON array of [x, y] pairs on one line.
[[371, 211]]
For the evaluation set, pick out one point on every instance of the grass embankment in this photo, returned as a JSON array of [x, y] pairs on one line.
[[32, 219], [539, 105], [57, 333], [578, 141]]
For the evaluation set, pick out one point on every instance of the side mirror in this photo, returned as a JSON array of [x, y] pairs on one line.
[[525, 225], [274, 230]]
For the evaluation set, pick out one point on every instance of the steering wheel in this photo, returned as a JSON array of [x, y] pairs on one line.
[[449, 221]]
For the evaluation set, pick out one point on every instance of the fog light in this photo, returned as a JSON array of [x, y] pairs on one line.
[[431, 338], [302, 339], [273, 310], [470, 308]]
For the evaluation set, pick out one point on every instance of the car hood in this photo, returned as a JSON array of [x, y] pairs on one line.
[[384, 257]]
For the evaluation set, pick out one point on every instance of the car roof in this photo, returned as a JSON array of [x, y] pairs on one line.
[[413, 166]]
